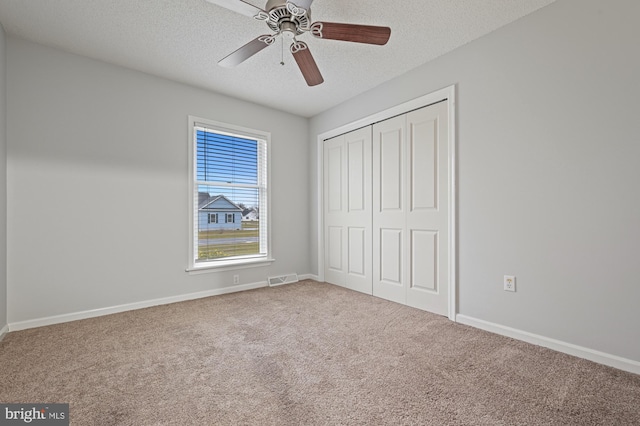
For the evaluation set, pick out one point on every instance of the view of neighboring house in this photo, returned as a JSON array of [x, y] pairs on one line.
[[250, 215], [218, 212]]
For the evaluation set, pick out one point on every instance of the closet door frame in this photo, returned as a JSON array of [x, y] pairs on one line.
[[448, 93]]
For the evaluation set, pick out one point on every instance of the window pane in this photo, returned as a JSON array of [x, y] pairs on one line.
[[224, 158], [230, 194], [230, 235]]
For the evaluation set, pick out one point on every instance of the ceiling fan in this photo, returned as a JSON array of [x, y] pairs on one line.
[[289, 19]]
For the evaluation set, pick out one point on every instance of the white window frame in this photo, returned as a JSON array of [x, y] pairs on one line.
[[233, 263]]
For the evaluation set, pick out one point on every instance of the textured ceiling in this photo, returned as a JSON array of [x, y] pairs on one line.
[[183, 40]]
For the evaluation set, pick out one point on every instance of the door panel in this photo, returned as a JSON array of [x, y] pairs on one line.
[[357, 249], [424, 255], [347, 183], [391, 169], [356, 171], [334, 178], [427, 220], [333, 201], [334, 243], [388, 209], [423, 158], [410, 216], [391, 256]]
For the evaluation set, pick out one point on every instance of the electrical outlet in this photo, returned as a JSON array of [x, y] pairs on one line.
[[509, 283], [236, 279]]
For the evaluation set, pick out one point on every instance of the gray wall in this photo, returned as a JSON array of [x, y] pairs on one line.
[[97, 184], [548, 170], [3, 184]]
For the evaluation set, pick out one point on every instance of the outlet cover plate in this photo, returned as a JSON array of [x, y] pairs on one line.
[[509, 283]]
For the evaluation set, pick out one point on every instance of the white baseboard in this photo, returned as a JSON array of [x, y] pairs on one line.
[[557, 345], [308, 277], [57, 319], [3, 331]]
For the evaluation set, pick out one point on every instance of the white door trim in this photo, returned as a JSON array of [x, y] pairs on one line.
[[422, 101]]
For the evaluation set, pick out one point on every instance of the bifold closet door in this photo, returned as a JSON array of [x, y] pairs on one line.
[[347, 210], [410, 208]]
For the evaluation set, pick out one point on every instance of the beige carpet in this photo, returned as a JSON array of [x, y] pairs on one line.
[[304, 354]]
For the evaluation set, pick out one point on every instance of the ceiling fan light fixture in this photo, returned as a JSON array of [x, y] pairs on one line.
[[288, 30]]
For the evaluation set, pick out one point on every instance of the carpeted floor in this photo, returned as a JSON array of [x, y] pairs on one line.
[[304, 354]]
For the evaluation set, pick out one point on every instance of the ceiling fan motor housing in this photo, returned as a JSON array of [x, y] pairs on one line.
[[280, 16]]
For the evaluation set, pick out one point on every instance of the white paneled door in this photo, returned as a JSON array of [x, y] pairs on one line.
[[411, 208], [386, 209], [347, 210], [389, 214]]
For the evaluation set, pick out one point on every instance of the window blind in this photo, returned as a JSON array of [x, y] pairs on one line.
[[231, 180]]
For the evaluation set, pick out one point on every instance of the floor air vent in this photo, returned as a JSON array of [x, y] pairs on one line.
[[283, 279]]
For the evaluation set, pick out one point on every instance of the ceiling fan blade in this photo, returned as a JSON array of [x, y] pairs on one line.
[[239, 6], [246, 51], [368, 34], [306, 63]]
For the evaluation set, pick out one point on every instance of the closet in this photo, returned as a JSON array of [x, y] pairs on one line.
[[386, 209]]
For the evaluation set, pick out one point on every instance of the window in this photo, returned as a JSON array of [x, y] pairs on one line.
[[228, 175]]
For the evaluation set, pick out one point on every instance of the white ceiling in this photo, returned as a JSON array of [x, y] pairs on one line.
[[183, 40]]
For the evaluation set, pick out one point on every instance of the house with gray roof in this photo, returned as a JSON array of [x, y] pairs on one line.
[[218, 212], [250, 215]]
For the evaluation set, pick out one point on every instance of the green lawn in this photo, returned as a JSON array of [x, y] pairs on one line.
[[215, 250], [227, 250], [227, 233]]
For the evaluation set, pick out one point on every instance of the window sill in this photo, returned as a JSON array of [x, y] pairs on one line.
[[228, 265]]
